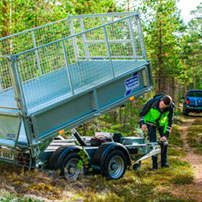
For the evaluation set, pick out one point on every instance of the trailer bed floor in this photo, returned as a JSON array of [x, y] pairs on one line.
[[54, 87]]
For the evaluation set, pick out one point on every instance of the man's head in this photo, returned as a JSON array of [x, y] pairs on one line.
[[165, 102]]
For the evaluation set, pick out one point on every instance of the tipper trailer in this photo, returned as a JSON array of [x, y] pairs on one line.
[[60, 75]]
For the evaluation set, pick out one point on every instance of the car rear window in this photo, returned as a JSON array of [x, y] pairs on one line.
[[195, 94]]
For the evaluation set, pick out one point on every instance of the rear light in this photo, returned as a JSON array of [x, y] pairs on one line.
[[187, 102]]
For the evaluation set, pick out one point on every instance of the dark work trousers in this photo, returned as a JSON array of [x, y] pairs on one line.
[[164, 149]]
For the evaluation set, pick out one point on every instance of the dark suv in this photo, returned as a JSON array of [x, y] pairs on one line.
[[192, 102]]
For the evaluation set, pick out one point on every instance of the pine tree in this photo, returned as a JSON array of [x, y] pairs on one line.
[[192, 53], [162, 25]]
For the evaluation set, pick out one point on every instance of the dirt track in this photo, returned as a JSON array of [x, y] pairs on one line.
[[195, 160]]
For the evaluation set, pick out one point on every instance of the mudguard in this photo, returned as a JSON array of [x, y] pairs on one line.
[[58, 156], [104, 149]]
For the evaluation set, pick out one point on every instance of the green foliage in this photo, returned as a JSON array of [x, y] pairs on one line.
[[8, 197], [84, 162], [191, 53], [89, 7], [162, 24], [173, 48], [26, 14]]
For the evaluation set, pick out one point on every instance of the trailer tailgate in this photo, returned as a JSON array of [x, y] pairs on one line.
[[10, 122]]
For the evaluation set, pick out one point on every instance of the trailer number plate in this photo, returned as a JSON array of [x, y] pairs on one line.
[[6, 154]]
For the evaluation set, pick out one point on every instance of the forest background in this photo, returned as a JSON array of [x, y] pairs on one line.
[[174, 49]]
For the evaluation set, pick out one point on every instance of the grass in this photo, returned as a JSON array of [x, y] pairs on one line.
[[182, 173], [142, 186], [178, 120], [167, 197], [182, 178], [176, 151], [195, 136], [195, 141], [198, 121], [147, 185], [175, 136], [9, 197], [195, 128]]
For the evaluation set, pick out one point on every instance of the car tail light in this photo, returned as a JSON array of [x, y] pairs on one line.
[[187, 102]]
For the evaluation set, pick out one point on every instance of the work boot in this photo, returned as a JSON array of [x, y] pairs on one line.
[[165, 166]]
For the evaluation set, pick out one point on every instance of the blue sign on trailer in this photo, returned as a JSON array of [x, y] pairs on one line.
[[131, 84]]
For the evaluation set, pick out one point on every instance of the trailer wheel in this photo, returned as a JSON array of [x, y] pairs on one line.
[[70, 169], [114, 165]]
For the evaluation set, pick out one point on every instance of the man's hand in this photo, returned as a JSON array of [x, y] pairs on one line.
[[163, 139], [143, 127]]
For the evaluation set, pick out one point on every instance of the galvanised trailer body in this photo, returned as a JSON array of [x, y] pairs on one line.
[[65, 73]]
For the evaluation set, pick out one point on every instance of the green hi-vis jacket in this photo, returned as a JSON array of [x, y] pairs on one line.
[[152, 115]]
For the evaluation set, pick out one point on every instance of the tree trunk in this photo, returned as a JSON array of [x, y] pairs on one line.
[[120, 116], [5, 15], [160, 62], [5, 29], [115, 115], [194, 78], [173, 88], [128, 5], [185, 87]]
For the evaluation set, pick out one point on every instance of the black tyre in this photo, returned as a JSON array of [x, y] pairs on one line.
[[115, 165], [70, 169]]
